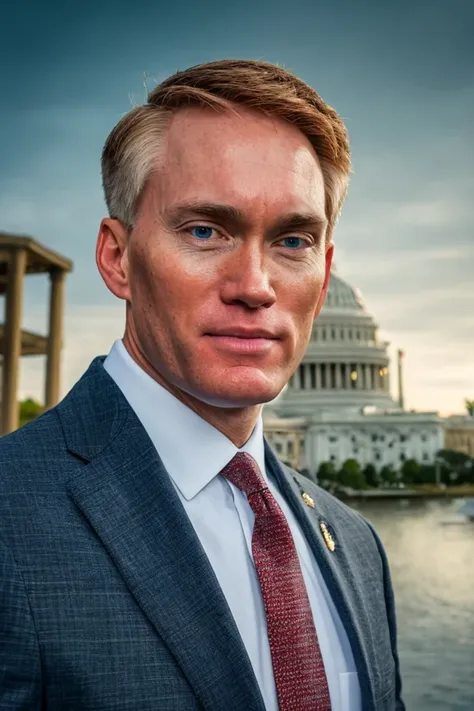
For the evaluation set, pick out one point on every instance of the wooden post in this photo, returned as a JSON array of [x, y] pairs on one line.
[[12, 339], [53, 362]]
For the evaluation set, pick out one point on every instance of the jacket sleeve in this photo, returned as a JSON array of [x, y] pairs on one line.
[[390, 605], [20, 665]]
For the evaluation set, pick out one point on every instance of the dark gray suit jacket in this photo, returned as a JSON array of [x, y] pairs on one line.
[[107, 599]]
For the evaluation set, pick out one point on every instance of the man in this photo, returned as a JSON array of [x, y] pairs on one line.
[[156, 555]]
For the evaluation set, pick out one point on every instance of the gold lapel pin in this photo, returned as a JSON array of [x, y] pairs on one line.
[[328, 538], [308, 500]]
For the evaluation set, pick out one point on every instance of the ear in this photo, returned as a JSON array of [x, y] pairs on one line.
[[112, 257], [328, 262]]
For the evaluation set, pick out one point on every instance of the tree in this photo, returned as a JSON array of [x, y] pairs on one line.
[[388, 475], [469, 407], [327, 472], [351, 475], [371, 476], [456, 463], [410, 472], [29, 409], [427, 474]]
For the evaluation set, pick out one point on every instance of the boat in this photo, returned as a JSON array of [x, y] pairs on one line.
[[467, 509]]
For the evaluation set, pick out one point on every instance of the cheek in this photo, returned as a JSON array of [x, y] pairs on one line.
[[164, 294], [306, 299]]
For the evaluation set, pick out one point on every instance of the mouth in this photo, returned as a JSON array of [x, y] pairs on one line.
[[256, 342], [246, 333]]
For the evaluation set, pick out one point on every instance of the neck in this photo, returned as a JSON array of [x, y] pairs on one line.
[[237, 424]]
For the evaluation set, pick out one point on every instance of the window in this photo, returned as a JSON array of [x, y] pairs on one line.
[[425, 456], [354, 375], [403, 438], [403, 456], [333, 334], [323, 333], [377, 456], [278, 447], [333, 438]]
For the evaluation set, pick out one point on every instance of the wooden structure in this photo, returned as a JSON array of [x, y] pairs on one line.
[[20, 256]]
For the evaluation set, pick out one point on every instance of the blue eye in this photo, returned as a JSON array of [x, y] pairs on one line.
[[293, 242], [202, 232]]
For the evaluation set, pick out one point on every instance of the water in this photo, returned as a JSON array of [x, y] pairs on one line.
[[431, 554]]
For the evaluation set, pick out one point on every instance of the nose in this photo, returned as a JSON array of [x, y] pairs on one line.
[[247, 280]]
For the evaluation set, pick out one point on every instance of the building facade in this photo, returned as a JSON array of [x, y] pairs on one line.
[[459, 434], [338, 405]]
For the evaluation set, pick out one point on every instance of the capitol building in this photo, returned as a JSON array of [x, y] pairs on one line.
[[338, 404]]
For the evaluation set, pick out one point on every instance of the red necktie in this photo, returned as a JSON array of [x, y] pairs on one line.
[[296, 657]]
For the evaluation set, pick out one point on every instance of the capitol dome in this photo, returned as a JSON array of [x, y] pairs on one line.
[[345, 364], [342, 296]]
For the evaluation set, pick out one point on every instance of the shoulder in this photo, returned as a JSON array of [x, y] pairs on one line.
[[28, 455]]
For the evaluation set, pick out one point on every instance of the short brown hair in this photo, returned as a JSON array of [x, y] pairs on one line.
[[132, 148]]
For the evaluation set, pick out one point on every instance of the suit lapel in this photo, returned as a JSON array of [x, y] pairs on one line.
[[335, 569], [128, 498]]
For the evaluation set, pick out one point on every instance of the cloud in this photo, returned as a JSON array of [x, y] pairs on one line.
[[435, 213]]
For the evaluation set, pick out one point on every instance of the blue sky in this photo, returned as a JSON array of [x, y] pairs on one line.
[[401, 76]]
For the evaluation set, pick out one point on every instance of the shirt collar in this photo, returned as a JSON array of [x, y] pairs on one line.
[[192, 451]]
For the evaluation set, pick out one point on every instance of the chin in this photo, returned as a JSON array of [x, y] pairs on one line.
[[241, 392]]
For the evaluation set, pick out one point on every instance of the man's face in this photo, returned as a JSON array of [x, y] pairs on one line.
[[228, 262]]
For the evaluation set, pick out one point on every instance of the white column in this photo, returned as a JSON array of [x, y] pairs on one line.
[[307, 376], [338, 376], [368, 380], [359, 376], [297, 379], [348, 381], [318, 376]]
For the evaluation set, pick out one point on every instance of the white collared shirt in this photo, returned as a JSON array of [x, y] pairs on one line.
[[193, 453]]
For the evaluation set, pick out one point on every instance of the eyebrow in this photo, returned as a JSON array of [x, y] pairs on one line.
[[237, 219]]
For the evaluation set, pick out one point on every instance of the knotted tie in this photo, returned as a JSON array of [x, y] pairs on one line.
[[296, 657]]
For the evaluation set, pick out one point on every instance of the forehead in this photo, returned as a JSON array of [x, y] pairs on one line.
[[246, 159]]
